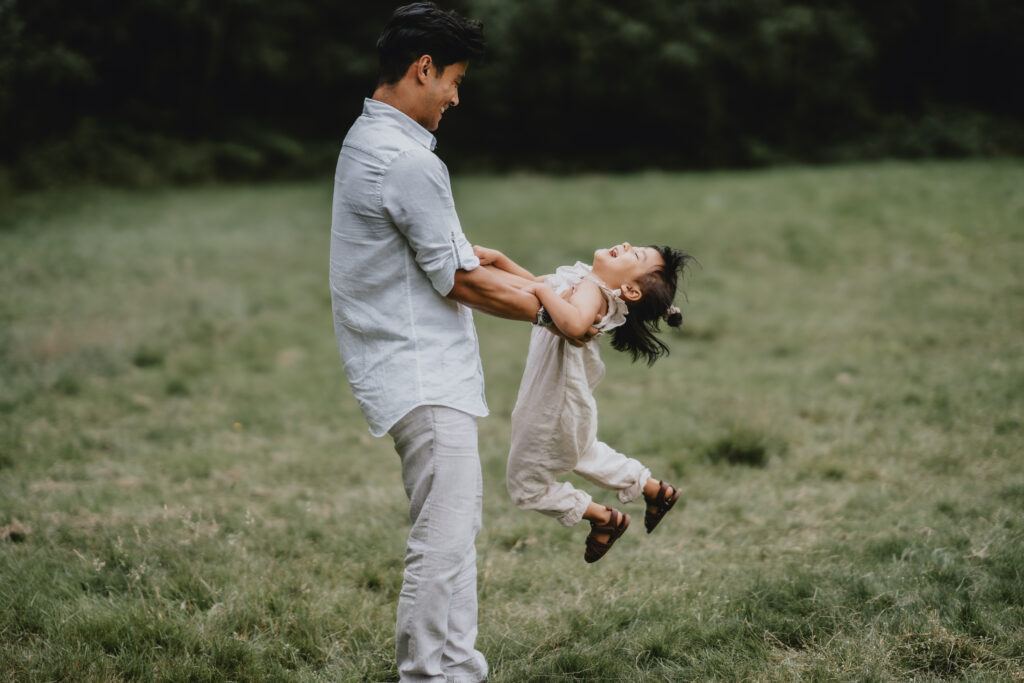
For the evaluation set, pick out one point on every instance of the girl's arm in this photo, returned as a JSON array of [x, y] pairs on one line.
[[493, 257], [508, 278], [511, 273], [575, 316]]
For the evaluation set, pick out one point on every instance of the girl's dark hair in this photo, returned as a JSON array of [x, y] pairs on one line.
[[636, 335], [423, 29]]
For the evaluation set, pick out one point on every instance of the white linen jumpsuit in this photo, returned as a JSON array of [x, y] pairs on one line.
[[554, 422]]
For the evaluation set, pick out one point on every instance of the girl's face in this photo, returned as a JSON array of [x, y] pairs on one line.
[[622, 266]]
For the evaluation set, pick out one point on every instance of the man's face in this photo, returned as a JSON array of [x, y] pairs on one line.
[[441, 92]]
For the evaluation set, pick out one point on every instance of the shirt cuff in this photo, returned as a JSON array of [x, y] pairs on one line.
[[462, 258]]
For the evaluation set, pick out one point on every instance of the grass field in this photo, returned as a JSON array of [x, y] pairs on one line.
[[188, 490]]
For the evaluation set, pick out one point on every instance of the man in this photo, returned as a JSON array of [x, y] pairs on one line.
[[402, 275]]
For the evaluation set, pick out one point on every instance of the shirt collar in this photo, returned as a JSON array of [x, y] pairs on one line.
[[377, 109]]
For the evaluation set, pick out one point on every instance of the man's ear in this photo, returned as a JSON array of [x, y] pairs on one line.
[[424, 65], [630, 292]]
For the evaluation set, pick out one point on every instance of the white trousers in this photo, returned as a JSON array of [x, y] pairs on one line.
[[436, 628]]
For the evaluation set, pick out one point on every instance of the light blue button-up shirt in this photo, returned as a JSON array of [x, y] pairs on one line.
[[396, 243]]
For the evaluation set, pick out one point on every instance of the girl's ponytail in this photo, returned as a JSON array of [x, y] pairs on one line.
[[673, 316]]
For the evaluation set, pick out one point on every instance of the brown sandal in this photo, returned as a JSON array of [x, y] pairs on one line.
[[615, 526], [661, 503]]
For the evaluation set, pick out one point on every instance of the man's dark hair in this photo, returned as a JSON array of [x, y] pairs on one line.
[[423, 29]]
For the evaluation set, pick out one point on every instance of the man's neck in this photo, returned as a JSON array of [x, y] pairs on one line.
[[395, 96]]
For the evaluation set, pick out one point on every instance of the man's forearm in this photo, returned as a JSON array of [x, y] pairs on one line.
[[484, 291]]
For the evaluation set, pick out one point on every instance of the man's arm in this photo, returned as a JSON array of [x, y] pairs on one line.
[[484, 291]]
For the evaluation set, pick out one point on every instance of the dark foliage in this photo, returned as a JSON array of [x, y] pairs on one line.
[[158, 90]]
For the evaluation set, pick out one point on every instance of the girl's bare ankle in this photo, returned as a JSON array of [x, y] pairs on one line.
[[598, 513]]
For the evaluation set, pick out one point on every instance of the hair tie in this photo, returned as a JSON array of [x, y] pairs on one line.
[[670, 311]]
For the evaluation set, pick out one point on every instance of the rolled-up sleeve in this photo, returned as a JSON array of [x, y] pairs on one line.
[[416, 192]]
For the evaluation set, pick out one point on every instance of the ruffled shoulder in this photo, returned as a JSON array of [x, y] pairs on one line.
[[566, 277], [617, 311]]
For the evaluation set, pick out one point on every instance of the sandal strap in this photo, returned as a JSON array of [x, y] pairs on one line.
[[615, 526], [661, 504], [660, 499], [614, 519]]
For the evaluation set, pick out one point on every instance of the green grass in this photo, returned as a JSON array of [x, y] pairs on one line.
[[197, 497]]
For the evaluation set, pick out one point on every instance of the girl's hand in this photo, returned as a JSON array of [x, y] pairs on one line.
[[487, 256]]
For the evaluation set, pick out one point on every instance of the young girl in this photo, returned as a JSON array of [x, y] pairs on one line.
[[554, 423]]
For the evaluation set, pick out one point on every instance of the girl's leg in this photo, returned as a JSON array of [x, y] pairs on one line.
[[532, 486], [608, 468], [558, 499]]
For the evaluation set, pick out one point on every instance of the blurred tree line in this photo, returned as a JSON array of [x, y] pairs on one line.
[[150, 91]]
